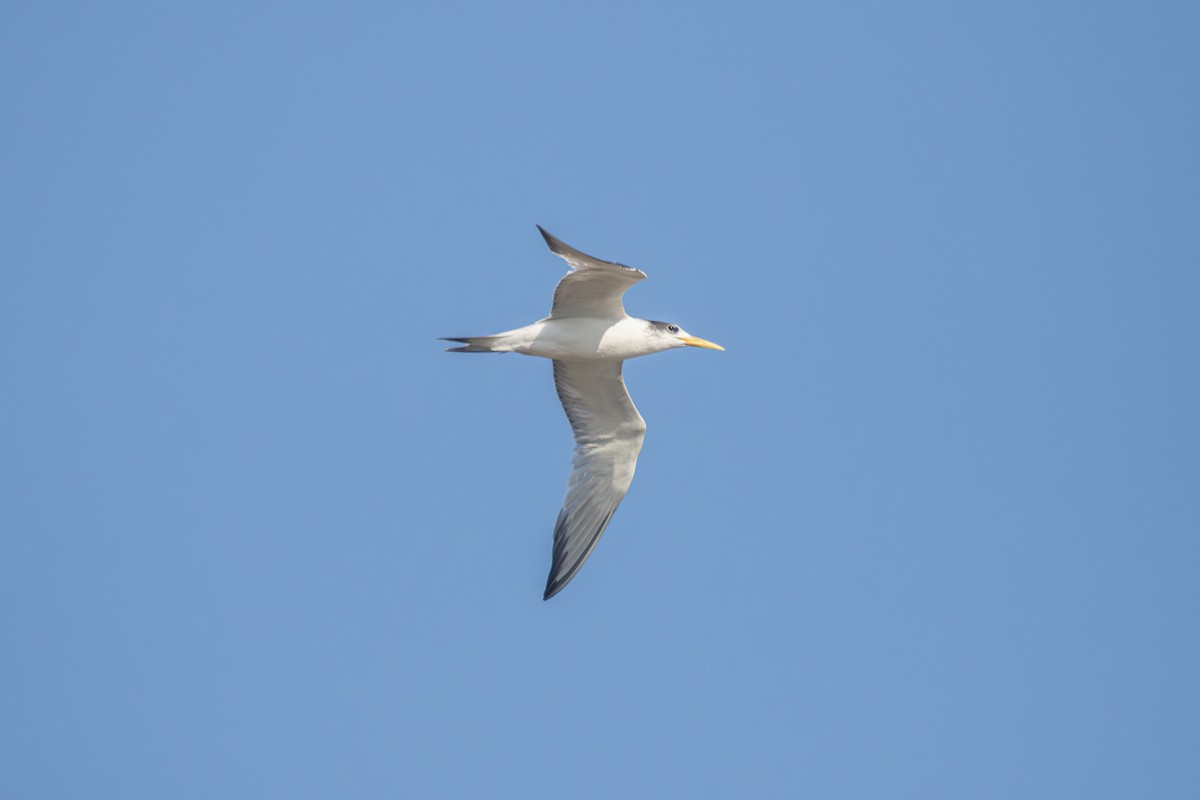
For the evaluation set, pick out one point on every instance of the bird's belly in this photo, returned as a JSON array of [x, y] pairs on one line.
[[578, 338]]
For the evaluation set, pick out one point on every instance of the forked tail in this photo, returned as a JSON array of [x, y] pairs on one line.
[[474, 344]]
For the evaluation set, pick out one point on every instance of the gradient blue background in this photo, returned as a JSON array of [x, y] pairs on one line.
[[929, 527]]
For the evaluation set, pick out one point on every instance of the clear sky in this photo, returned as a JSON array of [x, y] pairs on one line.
[[929, 528]]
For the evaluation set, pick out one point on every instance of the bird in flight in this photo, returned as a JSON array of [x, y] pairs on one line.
[[588, 335]]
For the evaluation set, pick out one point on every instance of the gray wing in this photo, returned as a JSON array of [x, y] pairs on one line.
[[592, 288], [608, 437]]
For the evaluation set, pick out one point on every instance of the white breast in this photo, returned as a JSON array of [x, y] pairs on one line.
[[581, 338]]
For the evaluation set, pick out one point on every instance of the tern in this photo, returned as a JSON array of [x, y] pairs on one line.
[[589, 336]]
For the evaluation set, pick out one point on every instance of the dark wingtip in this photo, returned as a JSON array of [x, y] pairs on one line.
[[552, 241]]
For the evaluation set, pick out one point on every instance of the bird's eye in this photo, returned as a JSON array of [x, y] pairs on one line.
[[673, 328]]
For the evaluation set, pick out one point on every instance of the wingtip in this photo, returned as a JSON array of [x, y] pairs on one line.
[[553, 587], [552, 241]]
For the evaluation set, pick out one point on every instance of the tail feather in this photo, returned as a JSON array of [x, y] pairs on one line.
[[474, 344]]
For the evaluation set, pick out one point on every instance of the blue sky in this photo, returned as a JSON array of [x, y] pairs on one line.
[[928, 527]]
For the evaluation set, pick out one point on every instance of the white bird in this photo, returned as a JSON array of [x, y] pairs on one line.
[[589, 336]]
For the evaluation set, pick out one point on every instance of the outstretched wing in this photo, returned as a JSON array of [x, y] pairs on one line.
[[592, 288], [608, 437]]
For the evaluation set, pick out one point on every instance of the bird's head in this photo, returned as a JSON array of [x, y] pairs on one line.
[[668, 334]]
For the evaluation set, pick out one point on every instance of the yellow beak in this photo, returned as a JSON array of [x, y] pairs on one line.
[[696, 341]]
